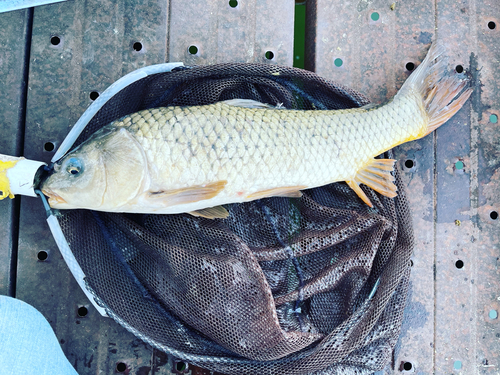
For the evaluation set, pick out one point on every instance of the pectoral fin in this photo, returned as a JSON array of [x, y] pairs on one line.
[[217, 212], [188, 195], [377, 175], [286, 191]]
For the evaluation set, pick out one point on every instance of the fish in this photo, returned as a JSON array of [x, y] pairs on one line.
[[196, 159]]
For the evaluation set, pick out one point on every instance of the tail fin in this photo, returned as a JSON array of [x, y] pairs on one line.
[[442, 95]]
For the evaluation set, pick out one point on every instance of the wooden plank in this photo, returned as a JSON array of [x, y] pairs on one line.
[[467, 276], [78, 48], [485, 130], [367, 46], [414, 30], [231, 31], [96, 46], [451, 321], [14, 28]]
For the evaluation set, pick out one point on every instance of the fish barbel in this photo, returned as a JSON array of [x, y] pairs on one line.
[[197, 158]]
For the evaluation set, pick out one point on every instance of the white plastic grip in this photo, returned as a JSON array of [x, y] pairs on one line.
[[17, 175]]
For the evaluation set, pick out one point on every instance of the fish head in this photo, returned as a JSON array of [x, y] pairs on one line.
[[78, 181], [104, 173]]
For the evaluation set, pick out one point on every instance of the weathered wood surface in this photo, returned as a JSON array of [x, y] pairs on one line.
[[13, 40], [452, 176]]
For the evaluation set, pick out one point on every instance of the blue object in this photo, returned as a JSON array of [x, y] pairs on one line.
[[9, 5], [493, 314], [28, 344], [374, 290], [457, 365]]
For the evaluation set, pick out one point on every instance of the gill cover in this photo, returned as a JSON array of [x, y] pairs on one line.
[[103, 173], [126, 168]]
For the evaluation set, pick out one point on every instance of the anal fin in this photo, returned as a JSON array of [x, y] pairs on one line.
[[377, 175], [286, 191], [217, 212]]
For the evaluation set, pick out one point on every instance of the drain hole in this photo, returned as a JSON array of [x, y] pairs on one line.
[[49, 146], [121, 367], [407, 366], [82, 311], [409, 163], [410, 66], [137, 46], [269, 55], [55, 40], [193, 50], [42, 256]]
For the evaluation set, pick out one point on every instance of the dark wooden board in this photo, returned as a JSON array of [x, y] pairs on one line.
[[221, 33], [466, 293], [77, 48], [14, 36], [374, 56], [82, 47], [447, 327]]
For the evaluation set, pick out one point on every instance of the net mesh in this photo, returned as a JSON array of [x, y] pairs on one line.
[[311, 285]]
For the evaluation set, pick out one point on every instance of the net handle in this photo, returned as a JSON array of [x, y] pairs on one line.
[[67, 254], [103, 99]]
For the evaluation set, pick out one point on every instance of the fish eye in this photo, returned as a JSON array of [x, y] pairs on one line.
[[74, 170], [74, 166]]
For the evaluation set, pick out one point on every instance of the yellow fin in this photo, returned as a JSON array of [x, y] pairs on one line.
[[354, 186], [377, 175], [188, 195], [287, 191], [442, 95], [217, 212]]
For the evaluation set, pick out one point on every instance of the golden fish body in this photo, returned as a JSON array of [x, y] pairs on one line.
[[189, 159], [255, 150]]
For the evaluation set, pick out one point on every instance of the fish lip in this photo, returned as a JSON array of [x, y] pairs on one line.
[[53, 197]]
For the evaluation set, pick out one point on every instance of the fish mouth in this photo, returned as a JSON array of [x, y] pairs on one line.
[[54, 198]]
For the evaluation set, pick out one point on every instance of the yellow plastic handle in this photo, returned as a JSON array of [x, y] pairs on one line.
[[4, 180], [17, 176]]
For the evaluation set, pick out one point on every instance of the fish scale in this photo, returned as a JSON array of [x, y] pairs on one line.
[[280, 137], [195, 159]]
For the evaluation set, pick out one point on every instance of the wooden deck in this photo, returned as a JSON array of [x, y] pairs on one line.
[[54, 57]]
